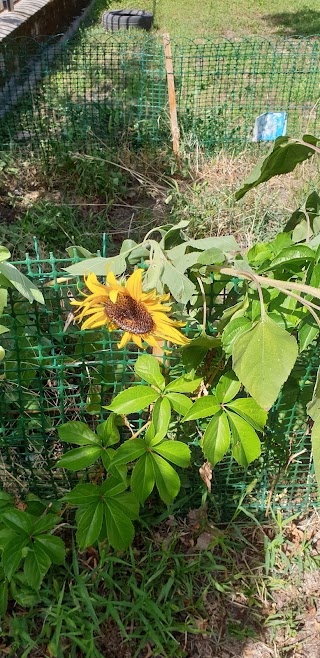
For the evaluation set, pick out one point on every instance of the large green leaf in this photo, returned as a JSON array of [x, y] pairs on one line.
[[129, 451], [161, 416], [307, 332], [206, 406], [184, 384], [19, 521], [3, 598], [174, 451], [143, 478], [120, 529], [26, 288], [100, 266], [227, 387], [108, 431], [283, 157], [79, 458], [89, 523], [4, 253], [128, 503], [216, 440], [250, 411], [299, 253], [148, 368], [263, 358], [180, 403], [167, 480], [225, 243], [133, 399], [53, 547], [181, 288], [194, 353], [45, 523], [12, 554], [36, 566], [232, 331], [77, 432], [83, 494], [246, 443]]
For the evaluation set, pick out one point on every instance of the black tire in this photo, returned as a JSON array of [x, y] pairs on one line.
[[124, 19]]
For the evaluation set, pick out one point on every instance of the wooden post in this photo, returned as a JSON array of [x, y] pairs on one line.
[[171, 94]]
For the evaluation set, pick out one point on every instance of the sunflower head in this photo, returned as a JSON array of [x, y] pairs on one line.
[[142, 316]]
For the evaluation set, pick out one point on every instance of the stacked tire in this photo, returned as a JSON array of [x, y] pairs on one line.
[[125, 19]]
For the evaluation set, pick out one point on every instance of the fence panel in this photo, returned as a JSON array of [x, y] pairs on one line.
[[55, 95]]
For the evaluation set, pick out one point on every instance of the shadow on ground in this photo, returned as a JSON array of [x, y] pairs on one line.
[[304, 22]]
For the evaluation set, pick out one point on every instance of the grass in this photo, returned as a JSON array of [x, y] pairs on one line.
[[219, 17], [184, 589]]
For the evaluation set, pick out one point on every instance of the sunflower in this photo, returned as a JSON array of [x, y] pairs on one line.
[[140, 315]]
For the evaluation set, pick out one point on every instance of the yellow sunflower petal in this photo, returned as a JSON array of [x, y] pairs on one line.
[[124, 340], [134, 284], [94, 285], [113, 295], [113, 283], [137, 340], [173, 335], [94, 321], [150, 339]]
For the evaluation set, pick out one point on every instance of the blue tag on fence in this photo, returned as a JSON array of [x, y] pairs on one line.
[[269, 126]]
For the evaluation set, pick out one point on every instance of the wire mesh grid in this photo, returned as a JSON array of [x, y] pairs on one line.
[[55, 373], [54, 94]]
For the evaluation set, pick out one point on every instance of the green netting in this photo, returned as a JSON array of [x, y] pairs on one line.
[[55, 373], [53, 95]]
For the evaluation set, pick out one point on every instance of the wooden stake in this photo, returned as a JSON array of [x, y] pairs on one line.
[[171, 93]]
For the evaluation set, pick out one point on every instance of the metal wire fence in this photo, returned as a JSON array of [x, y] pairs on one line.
[[53, 374], [53, 95]]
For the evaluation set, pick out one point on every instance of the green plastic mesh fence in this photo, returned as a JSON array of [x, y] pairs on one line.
[[53, 95], [54, 373]]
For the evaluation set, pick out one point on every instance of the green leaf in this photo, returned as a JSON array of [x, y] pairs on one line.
[[181, 288], [46, 523], [174, 451], [216, 440], [313, 408], [4, 253], [226, 243], [83, 494], [129, 451], [3, 598], [206, 406], [307, 332], [79, 458], [128, 504], [246, 443], [108, 431], [112, 486], [119, 472], [77, 432], [74, 251], [26, 288], [53, 547], [89, 523], [99, 266], [194, 353], [36, 566], [283, 157], [315, 440], [180, 403], [167, 480], [19, 521], [227, 387], [12, 555], [143, 478], [3, 300], [133, 399], [3, 330], [161, 416], [184, 384], [290, 255], [233, 330], [211, 256], [120, 529], [263, 358], [148, 368], [250, 411]]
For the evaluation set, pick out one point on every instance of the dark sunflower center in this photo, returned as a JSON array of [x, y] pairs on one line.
[[129, 315]]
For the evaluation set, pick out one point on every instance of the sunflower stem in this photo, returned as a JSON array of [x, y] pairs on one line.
[[204, 317]]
